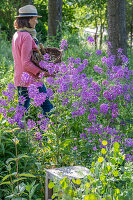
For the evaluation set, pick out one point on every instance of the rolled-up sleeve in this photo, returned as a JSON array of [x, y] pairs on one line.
[[26, 49]]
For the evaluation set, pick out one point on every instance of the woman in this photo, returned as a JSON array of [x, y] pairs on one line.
[[24, 40]]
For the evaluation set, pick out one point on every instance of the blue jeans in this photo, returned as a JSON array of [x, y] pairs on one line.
[[46, 106]]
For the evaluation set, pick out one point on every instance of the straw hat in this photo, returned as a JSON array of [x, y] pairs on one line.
[[28, 11]]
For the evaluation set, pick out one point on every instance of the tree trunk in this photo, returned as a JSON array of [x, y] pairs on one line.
[[55, 18], [117, 25], [95, 35]]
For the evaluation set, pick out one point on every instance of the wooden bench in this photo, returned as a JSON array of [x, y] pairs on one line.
[[72, 172]]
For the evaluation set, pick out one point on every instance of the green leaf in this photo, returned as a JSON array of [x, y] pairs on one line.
[[21, 188], [50, 147], [5, 177], [11, 159], [18, 179], [33, 190], [8, 183], [66, 142], [50, 185], [27, 175], [28, 187], [23, 156], [78, 182]]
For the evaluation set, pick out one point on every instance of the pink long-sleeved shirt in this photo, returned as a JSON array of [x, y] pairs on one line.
[[22, 45]]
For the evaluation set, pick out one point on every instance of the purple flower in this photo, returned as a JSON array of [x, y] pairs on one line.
[[90, 39], [77, 61], [120, 74], [115, 113], [3, 102], [38, 136], [98, 52], [94, 148], [93, 98], [39, 99], [26, 78], [95, 86], [93, 111], [91, 117], [98, 69], [71, 59], [46, 57], [11, 109], [108, 43], [22, 99], [31, 124], [105, 83], [43, 64], [127, 98], [124, 59], [11, 87], [10, 120], [108, 61], [74, 148], [79, 112], [64, 44], [104, 108], [40, 116], [85, 62], [116, 90], [83, 135], [65, 101], [87, 54], [33, 90], [107, 95], [50, 92], [80, 68], [119, 51], [50, 80]]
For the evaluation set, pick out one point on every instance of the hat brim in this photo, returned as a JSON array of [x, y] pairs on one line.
[[29, 16]]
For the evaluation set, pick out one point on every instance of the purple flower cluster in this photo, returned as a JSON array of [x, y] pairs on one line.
[[38, 98], [26, 78], [98, 52], [123, 58], [31, 124], [98, 69], [87, 54], [104, 108], [108, 61], [12, 113], [64, 44], [46, 57], [38, 136], [90, 39]]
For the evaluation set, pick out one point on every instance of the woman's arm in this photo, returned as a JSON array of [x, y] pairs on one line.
[[26, 56]]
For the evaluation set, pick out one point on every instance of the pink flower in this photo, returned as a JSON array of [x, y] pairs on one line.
[[74, 148]]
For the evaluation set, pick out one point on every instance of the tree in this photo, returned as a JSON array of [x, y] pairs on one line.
[[55, 18], [117, 25]]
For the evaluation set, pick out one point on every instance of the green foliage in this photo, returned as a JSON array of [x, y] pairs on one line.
[[107, 179], [6, 62], [8, 10], [42, 26]]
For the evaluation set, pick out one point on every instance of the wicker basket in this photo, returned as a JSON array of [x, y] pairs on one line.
[[55, 55]]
